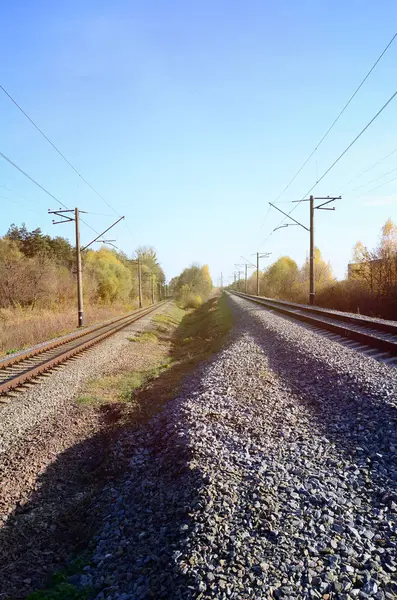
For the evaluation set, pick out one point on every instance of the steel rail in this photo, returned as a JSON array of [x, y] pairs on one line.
[[78, 342], [39, 349], [337, 316], [302, 313]]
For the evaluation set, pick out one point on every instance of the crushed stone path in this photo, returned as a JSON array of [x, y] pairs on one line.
[[272, 475]]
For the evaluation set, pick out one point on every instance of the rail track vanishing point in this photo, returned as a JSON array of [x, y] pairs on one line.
[[18, 369], [375, 338]]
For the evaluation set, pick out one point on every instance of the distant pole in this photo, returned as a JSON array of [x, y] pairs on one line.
[[140, 281], [312, 283], [80, 308], [152, 288], [239, 280], [245, 285], [257, 273], [221, 280]]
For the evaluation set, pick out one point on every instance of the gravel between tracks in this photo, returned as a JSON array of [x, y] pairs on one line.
[[273, 474], [52, 394]]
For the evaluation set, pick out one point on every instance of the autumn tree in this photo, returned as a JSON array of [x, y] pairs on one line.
[[281, 278], [377, 267], [322, 271], [193, 285]]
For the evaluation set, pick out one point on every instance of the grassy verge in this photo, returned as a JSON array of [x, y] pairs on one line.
[[186, 338]]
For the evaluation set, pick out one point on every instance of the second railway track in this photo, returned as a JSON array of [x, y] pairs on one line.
[[377, 338], [25, 366]]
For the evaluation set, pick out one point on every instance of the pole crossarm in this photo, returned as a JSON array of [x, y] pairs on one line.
[[328, 200], [103, 232], [61, 213], [289, 217]]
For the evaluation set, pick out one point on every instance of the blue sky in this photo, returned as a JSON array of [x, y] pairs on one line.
[[190, 117]]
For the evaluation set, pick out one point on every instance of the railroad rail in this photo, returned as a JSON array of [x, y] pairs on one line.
[[374, 336], [28, 364]]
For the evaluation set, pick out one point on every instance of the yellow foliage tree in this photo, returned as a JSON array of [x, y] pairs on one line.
[[113, 278]]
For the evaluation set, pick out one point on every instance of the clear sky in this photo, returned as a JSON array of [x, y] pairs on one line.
[[189, 117]]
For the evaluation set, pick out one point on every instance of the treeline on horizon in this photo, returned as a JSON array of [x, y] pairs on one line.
[[370, 287], [37, 270]]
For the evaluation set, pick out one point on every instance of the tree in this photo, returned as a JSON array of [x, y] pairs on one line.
[[112, 277], [322, 270], [281, 277], [193, 281], [378, 267]]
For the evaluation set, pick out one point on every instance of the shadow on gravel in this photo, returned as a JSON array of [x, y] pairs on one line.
[[57, 520], [351, 414], [149, 523]]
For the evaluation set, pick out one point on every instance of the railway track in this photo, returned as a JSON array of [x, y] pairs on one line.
[[20, 368], [374, 338]]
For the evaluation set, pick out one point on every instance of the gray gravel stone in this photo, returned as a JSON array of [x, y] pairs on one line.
[[271, 475]]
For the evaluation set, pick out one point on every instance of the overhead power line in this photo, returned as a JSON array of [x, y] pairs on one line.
[[41, 187], [375, 179], [57, 150], [337, 118], [371, 167], [353, 142], [342, 154], [33, 180], [375, 188]]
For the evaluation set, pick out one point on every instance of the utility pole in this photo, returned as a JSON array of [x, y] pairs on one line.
[[221, 280], [140, 280], [246, 264], [239, 273], [80, 307], [65, 218], [258, 256], [328, 200], [312, 293], [152, 288]]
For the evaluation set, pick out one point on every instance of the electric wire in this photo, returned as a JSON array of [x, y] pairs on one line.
[[19, 204], [337, 118], [376, 187], [62, 156], [33, 180], [41, 187], [341, 155], [370, 167], [57, 150], [375, 179]]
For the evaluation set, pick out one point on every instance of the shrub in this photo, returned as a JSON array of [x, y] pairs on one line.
[[193, 301]]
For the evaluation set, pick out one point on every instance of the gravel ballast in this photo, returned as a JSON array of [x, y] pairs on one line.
[[53, 458], [272, 475]]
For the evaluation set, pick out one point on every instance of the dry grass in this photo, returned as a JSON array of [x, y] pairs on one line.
[[191, 337], [21, 328]]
